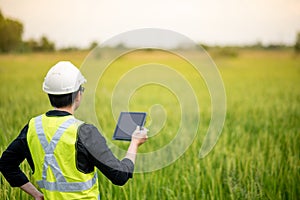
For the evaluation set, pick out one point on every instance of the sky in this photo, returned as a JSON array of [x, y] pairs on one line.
[[212, 22]]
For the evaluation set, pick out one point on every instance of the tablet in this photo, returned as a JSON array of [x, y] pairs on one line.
[[127, 123]]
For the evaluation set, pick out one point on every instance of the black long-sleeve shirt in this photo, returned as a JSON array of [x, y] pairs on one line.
[[91, 148]]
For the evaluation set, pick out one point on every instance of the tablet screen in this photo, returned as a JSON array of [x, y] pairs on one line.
[[127, 123]]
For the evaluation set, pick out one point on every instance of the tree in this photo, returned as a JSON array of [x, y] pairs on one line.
[[10, 34], [36, 46], [11, 38], [297, 44], [30, 45], [93, 45], [46, 45]]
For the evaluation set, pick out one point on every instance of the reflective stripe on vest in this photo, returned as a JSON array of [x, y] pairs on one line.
[[50, 161]]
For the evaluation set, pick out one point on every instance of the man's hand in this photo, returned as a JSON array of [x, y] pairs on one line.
[[40, 197], [138, 138], [30, 189]]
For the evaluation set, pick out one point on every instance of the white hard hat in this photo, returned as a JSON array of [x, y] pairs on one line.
[[63, 78]]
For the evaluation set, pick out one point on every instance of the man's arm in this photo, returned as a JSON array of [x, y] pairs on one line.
[[11, 158], [118, 171], [138, 138], [30, 189]]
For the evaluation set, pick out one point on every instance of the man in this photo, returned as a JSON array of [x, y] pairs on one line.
[[62, 151]]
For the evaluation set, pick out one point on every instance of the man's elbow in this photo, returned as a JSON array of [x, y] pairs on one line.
[[119, 183], [120, 180]]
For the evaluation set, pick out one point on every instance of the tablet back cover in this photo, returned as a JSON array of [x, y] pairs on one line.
[[127, 123]]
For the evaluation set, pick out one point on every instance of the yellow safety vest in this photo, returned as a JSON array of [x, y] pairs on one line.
[[51, 141]]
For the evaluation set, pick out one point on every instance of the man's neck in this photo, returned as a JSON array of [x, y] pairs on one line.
[[68, 109]]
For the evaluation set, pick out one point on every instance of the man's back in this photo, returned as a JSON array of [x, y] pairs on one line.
[[53, 141]]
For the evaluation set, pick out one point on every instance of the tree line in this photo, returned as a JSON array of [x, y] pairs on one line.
[[11, 40]]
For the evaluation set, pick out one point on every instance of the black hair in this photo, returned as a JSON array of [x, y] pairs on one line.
[[62, 100]]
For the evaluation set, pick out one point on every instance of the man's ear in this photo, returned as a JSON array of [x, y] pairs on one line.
[[78, 97]]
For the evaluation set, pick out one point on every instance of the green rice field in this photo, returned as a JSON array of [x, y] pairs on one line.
[[257, 155]]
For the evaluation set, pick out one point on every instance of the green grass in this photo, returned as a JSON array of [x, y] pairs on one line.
[[256, 157]]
